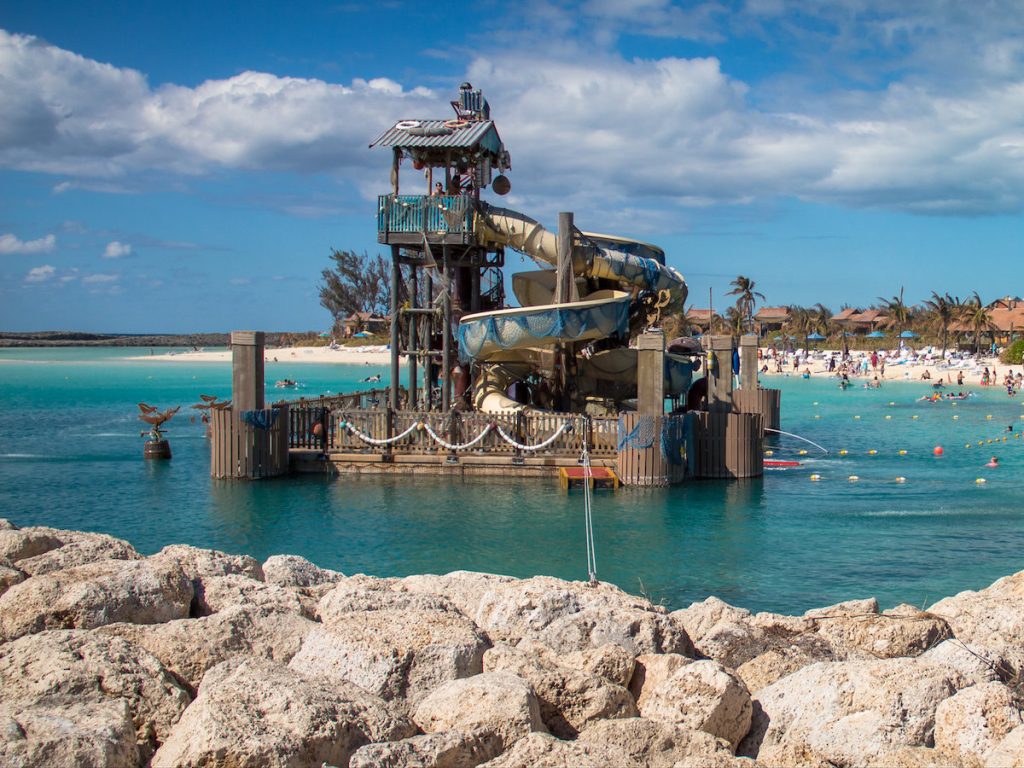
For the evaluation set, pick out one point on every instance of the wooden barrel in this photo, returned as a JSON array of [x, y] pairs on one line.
[[650, 450], [725, 445], [766, 402], [156, 449]]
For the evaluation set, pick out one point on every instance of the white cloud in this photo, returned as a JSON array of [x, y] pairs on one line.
[[588, 129], [40, 274], [10, 244], [99, 278], [116, 250]]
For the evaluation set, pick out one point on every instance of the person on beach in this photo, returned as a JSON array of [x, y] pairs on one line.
[[959, 378]]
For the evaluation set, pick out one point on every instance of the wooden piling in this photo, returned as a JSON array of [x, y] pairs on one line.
[[650, 450], [724, 445]]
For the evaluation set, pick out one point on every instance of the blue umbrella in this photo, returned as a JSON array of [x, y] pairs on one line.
[[875, 335], [908, 335], [815, 337]]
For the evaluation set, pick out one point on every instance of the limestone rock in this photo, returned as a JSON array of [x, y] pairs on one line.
[[200, 565], [256, 713], [992, 618], [903, 631], [18, 544], [56, 669], [977, 663], [88, 596], [775, 663], [700, 617], [451, 749], [295, 571], [846, 608], [463, 588], [973, 721], [850, 713], [190, 647], [570, 700], [9, 575], [652, 669], [397, 646], [639, 741], [496, 703], [612, 662], [235, 590], [94, 735], [614, 749], [573, 616], [79, 549], [7, 525], [703, 696], [1008, 753]]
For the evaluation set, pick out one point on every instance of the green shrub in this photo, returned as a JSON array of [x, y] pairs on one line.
[[1013, 354]]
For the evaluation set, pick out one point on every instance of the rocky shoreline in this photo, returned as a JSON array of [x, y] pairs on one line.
[[193, 657]]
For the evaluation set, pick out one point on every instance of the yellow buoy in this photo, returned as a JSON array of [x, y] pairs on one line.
[[856, 418], [815, 478], [955, 417], [1004, 438], [903, 453], [817, 415], [981, 442], [892, 402], [769, 453], [901, 479], [988, 417], [853, 478], [888, 416], [843, 452], [967, 445], [980, 481], [872, 452], [802, 452], [915, 417], [989, 441], [815, 402]]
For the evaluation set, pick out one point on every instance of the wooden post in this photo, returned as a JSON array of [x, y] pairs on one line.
[[719, 373], [565, 280], [396, 280], [247, 382], [748, 362], [446, 347], [413, 340], [650, 363]]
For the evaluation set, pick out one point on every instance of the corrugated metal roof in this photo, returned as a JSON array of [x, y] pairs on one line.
[[436, 134]]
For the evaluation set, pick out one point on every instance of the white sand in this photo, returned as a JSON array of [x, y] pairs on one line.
[[375, 355], [910, 370]]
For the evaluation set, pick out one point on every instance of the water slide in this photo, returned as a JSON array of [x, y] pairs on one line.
[[515, 341]]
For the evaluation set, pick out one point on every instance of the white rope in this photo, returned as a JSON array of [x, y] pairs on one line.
[[589, 518], [539, 446], [456, 446], [374, 441]]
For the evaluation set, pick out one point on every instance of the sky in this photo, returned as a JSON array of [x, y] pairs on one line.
[[189, 167]]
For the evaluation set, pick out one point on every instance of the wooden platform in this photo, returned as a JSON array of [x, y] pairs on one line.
[[595, 477]]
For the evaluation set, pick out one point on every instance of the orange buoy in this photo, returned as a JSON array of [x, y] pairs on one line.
[[937, 450]]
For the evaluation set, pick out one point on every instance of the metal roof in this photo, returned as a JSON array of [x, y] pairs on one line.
[[439, 134]]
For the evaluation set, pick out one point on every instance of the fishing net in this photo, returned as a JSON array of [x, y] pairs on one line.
[[261, 419]]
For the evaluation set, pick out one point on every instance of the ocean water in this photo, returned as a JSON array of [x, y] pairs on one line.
[[71, 457]]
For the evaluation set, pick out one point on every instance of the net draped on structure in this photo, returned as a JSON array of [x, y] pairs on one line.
[[671, 436]]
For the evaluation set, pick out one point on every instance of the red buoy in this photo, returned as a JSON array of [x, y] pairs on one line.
[[937, 450]]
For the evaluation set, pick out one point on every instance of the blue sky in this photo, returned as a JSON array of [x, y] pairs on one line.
[[188, 167]]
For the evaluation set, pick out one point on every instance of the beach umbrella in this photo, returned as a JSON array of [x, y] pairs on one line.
[[908, 335], [876, 335], [815, 337]]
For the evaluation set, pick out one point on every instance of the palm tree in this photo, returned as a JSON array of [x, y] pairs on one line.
[[944, 311], [977, 318], [802, 322], [822, 319], [735, 321], [746, 298], [899, 312]]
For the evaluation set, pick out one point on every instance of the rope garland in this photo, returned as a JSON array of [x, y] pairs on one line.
[[353, 430], [539, 446]]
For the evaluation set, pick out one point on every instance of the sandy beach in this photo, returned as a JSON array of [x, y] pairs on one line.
[[372, 355], [908, 368]]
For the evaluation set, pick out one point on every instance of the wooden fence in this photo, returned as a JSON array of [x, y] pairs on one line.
[[761, 400], [249, 444], [651, 451]]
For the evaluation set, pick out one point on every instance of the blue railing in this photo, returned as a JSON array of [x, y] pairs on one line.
[[443, 214]]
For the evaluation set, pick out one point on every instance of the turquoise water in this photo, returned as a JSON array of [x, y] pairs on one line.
[[71, 457]]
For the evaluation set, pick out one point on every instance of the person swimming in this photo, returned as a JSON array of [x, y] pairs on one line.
[[375, 377], [993, 463]]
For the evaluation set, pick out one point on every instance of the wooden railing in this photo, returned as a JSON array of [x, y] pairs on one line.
[[424, 214], [342, 427]]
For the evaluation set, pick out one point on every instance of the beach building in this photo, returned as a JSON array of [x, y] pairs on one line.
[[368, 322], [861, 321], [702, 321], [771, 320]]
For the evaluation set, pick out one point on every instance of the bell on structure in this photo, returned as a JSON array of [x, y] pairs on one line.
[[501, 185]]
